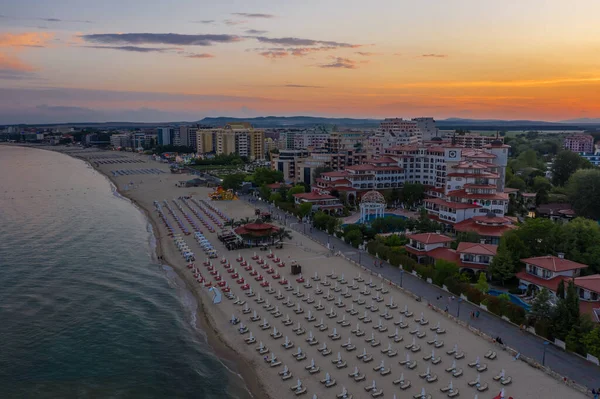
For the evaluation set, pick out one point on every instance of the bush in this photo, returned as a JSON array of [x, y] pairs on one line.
[[453, 285], [515, 313], [494, 305], [515, 291], [424, 271], [474, 295]]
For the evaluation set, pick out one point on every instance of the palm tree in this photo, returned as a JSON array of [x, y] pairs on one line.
[[244, 221], [231, 223], [284, 233]]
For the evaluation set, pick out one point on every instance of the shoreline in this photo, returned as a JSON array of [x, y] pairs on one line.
[[254, 387], [225, 340]]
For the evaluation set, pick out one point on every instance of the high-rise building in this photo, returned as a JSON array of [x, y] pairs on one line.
[[205, 141], [122, 140], [427, 128], [238, 138], [166, 136], [188, 136]]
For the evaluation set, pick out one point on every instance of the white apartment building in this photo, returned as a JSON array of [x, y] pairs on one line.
[[304, 139]]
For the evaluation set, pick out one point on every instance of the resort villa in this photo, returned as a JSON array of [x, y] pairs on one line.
[[547, 272], [320, 202]]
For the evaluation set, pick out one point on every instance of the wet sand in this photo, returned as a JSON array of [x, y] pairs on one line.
[[526, 382]]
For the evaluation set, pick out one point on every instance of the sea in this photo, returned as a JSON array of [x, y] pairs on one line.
[[86, 311]]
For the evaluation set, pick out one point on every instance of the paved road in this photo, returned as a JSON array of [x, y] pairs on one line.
[[564, 363]]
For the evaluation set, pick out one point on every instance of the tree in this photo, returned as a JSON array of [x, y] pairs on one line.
[[502, 266], [560, 290], [233, 181], [583, 189], [413, 193], [518, 183], [541, 183], [266, 176], [275, 197], [305, 209], [591, 341], [567, 313], [541, 308], [443, 270], [565, 164], [265, 192], [294, 190], [482, 284]]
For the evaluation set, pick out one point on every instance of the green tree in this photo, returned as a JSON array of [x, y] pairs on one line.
[[294, 190], [265, 192], [502, 267], [354, 237], [567, 312], [266, 176], [333, 224], [565, 164], [584, 190], [233, 181], [541, 183], [560, 290], [413, 193], [482, 284], [443, 270], [518, 183], [541, 308], [305, 209], [275, 197], [591, 341]]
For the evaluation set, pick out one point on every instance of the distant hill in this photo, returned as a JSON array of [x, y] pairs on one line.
[[295, 121], [583, 120]]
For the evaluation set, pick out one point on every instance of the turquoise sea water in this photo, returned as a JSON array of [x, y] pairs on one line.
[[84, 309]]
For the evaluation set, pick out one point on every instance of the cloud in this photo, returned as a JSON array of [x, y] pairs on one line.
[[274, 54], [434, 55], [397, 53], [205, 21], [339, 62], [366, 53], [253, 15], [302, 51], [304, 86], [256, 32], [233, 22], [136, 49], [295, 41], [202, 55], [12, 63], [10, 74], [28, 39], [47, 19], [160, 38]]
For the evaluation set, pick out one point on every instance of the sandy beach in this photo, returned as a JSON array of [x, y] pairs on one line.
[[348, 302]]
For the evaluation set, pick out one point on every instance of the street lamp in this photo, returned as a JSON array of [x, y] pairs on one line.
[[546, 343], [401, 275], [359, 257], [458, 311]]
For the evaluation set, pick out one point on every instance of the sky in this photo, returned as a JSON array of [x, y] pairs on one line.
[[150, 61]]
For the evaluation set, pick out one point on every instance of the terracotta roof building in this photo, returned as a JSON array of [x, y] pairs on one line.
[[548, 271]]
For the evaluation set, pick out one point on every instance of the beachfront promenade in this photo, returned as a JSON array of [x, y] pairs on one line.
[[564, 363]]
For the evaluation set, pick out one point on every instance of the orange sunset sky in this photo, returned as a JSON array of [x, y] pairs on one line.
[[75, 60]]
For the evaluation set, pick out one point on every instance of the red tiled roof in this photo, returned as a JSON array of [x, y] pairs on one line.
[[444, 253], [383, 160], [496, 146], [453, 205], [528, 195], [477, 248], [554, 263], [314, 196], [491, 220], [551, 284], [590, 283], [474, 175], [477, 154], [592, 308], [482, 230], [344, 188], [464, 194], [429, 238], [415, 251], [256, 230], [336, 173], [473, 165], [361, 167], [403, 148], [511, 190]]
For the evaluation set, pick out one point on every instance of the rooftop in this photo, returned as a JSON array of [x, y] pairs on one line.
[[482, 229], [314, 196], [477, 248], [551, 284], [554, 263], [590, 283], [429, 238]]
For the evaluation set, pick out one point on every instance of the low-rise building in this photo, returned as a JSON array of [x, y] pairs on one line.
[[320, 202], [422, 245], [547, 272]]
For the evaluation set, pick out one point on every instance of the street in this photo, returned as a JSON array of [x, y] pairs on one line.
[[564, 363]]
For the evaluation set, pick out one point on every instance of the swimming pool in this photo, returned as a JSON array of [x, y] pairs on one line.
[[386, 215], [513, 298]]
